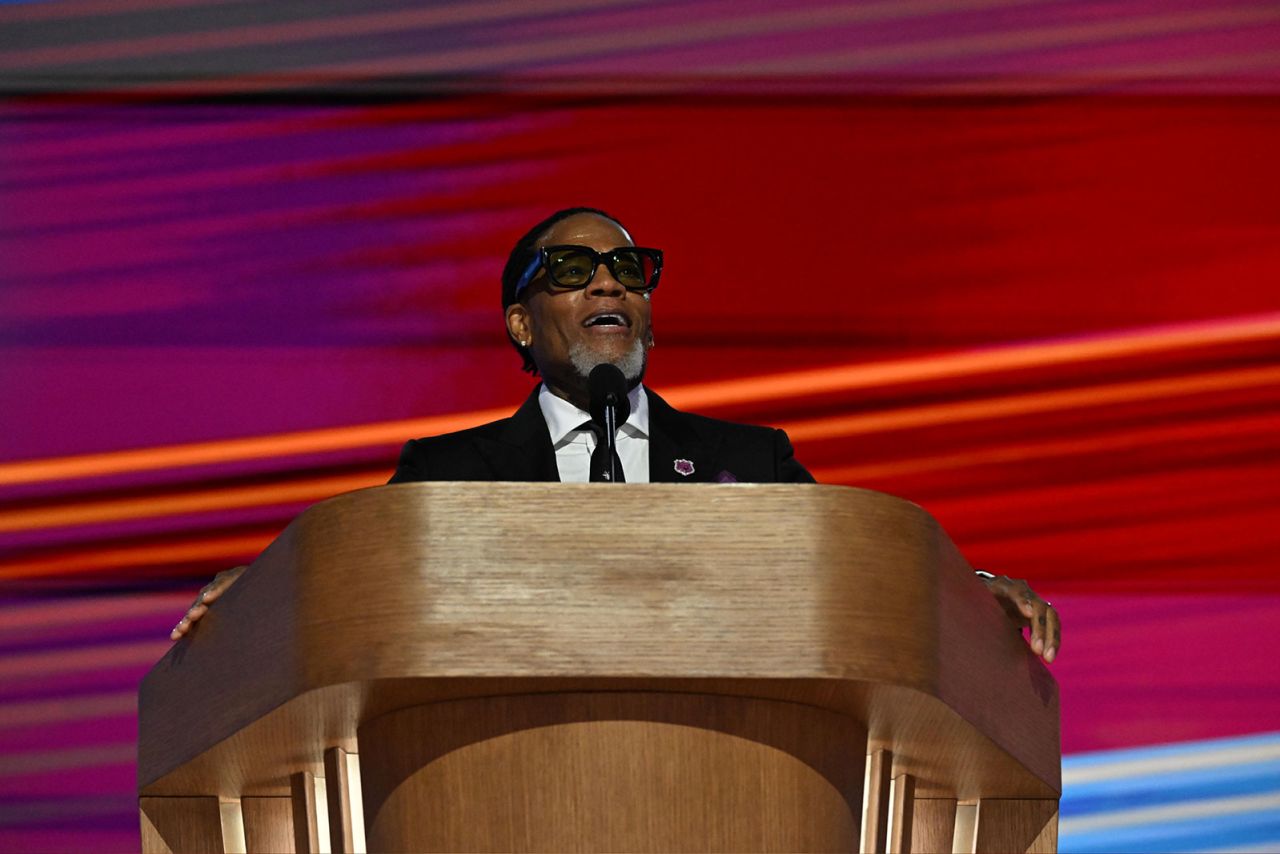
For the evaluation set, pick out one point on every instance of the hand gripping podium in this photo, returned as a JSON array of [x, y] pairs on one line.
[[587, 667]]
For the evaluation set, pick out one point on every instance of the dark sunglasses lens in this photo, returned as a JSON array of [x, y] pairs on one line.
[[570, 268], [633, 270]]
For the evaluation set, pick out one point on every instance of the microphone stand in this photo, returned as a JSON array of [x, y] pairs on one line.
[[611, 433], [609, 405]]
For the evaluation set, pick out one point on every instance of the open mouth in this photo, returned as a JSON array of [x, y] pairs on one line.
[[607, 318]]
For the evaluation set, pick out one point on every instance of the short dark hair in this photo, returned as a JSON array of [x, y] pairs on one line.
[[522, 255]]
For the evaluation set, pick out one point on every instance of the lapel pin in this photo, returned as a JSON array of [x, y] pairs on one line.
[[684, 467]]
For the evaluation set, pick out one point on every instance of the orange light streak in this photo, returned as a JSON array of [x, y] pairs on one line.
[[1228, 431], [236, 547], [1015, 357], [230, 548], [820, 429], [708, 395], [324, 440], [989, 409], [93, 559], [176, 504]]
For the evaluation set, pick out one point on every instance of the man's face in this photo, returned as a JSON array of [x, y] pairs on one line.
[[565, 343]]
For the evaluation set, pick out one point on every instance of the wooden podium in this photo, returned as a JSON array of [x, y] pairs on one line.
[[586, 667]]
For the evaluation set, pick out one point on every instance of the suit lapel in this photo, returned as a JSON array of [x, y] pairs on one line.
[[522, 451], [675, 447]]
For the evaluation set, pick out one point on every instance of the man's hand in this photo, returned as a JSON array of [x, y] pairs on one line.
[[1025, 608], [208, 594]]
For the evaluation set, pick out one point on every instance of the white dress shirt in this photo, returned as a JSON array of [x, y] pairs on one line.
[[573, 446]]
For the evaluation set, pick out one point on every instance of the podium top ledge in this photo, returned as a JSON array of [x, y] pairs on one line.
[[467, 584]]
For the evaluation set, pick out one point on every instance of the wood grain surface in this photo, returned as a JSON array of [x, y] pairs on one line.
[[306, 826], [903, 808], [268, 824], [181, 825], [875, 813], [933, 825], [338, 791], [613, 772], [1029, 825], [399, 596]]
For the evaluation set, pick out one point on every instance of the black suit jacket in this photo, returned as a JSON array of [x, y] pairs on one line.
[[519, 449]]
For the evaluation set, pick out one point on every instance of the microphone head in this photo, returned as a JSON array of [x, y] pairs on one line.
[[608, 387]]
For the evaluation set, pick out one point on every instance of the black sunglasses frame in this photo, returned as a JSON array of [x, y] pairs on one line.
[[543, 261]]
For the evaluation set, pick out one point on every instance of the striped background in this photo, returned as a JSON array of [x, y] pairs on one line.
[[978, 45], [1212, 795], [1015, 261]]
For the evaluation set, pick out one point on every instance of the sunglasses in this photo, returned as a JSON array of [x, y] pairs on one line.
[[635, 268]]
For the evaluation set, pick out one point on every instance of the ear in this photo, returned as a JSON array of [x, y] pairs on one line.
[[649, 343], [519, 325]]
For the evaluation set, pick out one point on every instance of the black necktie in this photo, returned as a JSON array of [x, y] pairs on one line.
[[600, 457]]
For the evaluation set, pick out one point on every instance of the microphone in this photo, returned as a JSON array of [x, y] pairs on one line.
[[610, 407]]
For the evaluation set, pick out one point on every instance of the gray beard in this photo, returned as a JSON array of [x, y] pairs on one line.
[[632, 363]]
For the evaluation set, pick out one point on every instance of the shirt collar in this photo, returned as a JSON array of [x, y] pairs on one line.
[[563, 418]]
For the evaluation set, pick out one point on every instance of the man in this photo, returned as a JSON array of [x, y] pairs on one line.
[[576, 293]]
